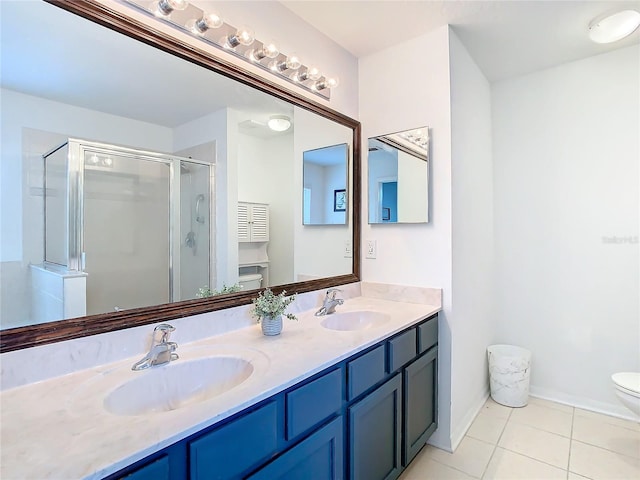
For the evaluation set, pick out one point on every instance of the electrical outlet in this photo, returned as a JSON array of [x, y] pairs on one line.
[[348, 251], [372, 249]]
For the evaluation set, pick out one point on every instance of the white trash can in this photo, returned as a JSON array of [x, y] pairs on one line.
[[509, 369]]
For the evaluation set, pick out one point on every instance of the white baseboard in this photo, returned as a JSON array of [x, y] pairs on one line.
[[611, 409], [458, 432]]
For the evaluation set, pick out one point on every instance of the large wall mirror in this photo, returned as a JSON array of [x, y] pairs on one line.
[[399, 177], [143, 182]]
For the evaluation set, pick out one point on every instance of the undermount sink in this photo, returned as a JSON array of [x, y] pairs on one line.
[[348, 321], [178, 384]]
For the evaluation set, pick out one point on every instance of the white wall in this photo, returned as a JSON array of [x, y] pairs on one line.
[[473, 327], [566, 152], [265, 166], [312, 132], [394, 98], [413, 198]]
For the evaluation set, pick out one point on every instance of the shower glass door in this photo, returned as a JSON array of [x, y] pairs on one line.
[[195, 229], [125, 230]]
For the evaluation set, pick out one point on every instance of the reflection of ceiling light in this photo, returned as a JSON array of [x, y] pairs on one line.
[[614, 27], [279, 123]]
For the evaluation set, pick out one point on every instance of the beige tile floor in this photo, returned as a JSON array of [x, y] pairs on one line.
[[544, 440]]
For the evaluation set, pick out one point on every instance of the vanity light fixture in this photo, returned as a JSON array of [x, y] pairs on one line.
[[279, 123], [209, 27], [609, 28]]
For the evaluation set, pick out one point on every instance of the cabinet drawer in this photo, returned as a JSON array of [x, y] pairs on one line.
[[156, 470], [365, 372], [312, 403], [226, 453], [428, 334], [402, 349]]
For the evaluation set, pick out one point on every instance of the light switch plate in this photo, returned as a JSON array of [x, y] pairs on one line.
[[348, 251], [372, 249]]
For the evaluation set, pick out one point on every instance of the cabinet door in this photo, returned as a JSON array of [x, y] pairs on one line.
[[420, 403], [259, 223], [318, 457], [156, 470], [374, 433], [241, 445], [243, 222]]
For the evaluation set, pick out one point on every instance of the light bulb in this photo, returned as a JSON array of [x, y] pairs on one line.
[[207, 21], [244, 36], [268, 50], [293, 62], [311, 73], [332, 82], [164, 8]]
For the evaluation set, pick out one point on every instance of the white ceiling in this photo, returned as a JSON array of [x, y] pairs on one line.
[[506, 38]]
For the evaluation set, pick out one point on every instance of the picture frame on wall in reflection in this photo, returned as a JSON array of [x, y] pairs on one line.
[[386, 214], [339, 200]]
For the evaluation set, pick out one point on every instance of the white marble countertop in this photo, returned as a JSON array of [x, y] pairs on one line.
[[59, 428]]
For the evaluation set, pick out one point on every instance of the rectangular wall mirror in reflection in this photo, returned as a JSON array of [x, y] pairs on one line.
[[324, 197], [399, 177]]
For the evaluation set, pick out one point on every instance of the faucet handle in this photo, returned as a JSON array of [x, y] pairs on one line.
[[331, 293], [165, 331]]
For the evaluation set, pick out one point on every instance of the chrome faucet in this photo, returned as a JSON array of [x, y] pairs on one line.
[[161, 351], [330, 302]]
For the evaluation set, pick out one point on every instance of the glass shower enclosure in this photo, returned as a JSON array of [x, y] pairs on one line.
[[137, 223]]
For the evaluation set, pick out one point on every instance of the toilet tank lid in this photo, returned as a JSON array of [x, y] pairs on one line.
[[250, 277], [628, 380]]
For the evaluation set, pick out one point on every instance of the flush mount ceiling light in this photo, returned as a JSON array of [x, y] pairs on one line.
[[612, 27], [279, 123], [209, 27]]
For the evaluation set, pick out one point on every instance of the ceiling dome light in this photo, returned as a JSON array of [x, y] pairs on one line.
[[613, 27], [279, 123]]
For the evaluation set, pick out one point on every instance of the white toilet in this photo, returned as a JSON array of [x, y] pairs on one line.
[[627, 385], [250, 282]]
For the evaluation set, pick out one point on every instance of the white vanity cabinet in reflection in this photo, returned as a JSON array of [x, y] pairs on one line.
[[253, 222]]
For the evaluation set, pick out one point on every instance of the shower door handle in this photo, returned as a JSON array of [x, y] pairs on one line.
[[83, 258], [199, 200]]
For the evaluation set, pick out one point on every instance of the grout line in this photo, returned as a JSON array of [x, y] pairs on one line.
[[573, 416], [495, 447]]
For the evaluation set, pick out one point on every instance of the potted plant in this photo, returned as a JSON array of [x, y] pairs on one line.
[[206, 292], [268, 308]]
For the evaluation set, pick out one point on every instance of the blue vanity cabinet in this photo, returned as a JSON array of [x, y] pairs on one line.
[[363, 418], [375, 433], [320, 457]]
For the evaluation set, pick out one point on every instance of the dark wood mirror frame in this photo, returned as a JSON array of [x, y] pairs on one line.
[[33, 335]]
